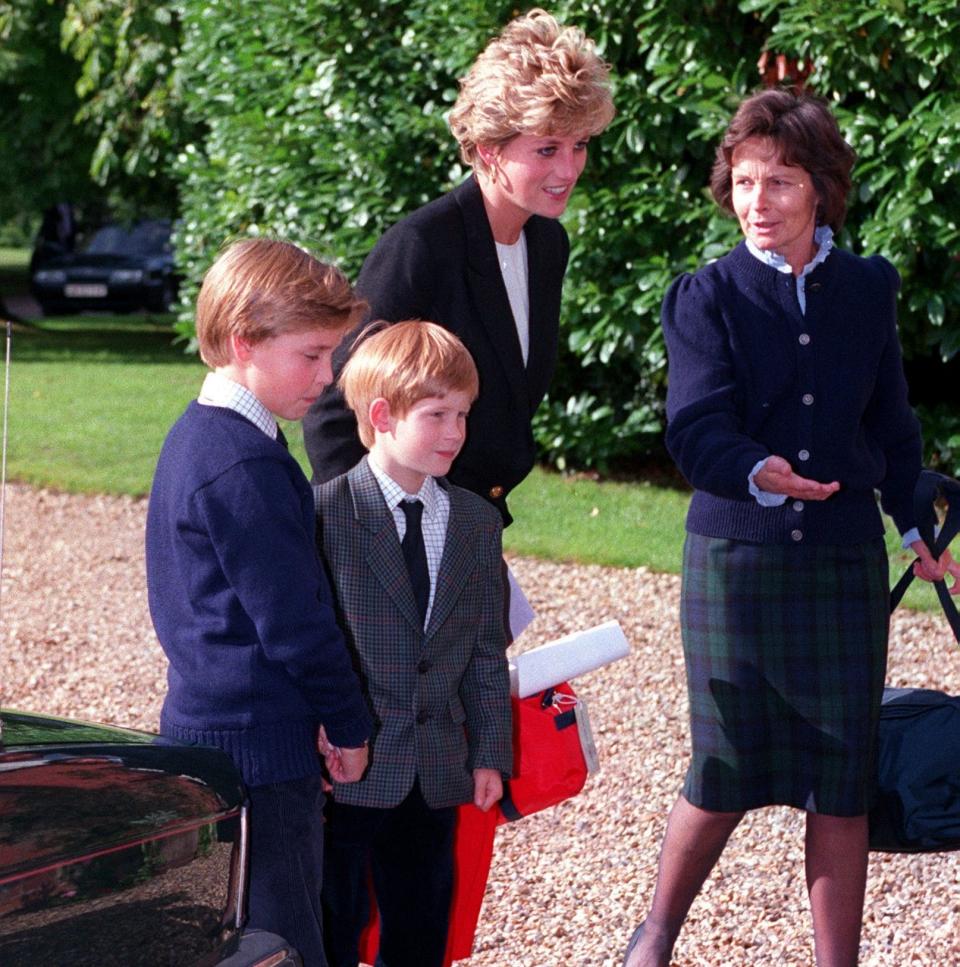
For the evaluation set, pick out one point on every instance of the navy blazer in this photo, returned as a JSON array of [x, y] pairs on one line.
[[440, 264], [440, 695]]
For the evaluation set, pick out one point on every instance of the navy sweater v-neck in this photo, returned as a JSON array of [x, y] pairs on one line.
[[750, 376], [240, 603]]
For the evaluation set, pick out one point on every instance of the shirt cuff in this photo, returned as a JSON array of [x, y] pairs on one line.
[[764, 498], [911, 535]]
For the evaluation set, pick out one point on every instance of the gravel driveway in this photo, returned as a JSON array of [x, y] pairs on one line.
[[567, 884]]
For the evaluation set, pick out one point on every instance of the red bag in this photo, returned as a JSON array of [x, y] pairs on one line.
[[548, 761], [548, 767]]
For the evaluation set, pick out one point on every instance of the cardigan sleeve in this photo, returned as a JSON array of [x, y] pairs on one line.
[[890, 420], [254, 517], [704, 430]]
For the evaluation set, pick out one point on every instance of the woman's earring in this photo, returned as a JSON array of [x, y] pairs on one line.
[[489, 160]]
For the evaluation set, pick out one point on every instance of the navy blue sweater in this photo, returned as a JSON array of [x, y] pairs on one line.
[[240, 603], [751, 376]]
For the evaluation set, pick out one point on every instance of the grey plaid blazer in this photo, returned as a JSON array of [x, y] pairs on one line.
[[440, 696]]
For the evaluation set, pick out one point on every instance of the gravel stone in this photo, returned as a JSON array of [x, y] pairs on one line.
[[567, 885]]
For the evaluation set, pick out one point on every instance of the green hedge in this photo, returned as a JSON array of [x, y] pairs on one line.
[[324, 122]]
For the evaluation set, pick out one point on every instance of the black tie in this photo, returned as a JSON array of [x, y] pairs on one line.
[[415, 554], [281, 439]]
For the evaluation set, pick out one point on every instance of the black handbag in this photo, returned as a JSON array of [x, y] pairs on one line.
[[917, 805]]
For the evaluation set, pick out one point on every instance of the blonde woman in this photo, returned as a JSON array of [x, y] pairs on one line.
[[487, 260]]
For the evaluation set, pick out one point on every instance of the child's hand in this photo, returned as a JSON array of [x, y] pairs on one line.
[[352, 764], [487, 788], [324, 746], [344, 765]]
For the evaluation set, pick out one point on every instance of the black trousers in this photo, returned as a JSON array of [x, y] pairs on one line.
[[286, 863], [409, 852]]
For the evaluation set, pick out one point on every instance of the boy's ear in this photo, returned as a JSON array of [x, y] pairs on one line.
[[380, 415], [240, 347]]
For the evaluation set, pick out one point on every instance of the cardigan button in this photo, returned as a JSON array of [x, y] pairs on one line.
[[804, 454], [804, 339], [808, 399], [798, 505], [797, 535]]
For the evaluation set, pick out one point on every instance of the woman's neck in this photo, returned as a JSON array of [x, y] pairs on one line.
[[505, 217]]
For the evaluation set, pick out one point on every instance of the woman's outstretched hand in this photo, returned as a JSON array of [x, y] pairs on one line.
[[776, 476]]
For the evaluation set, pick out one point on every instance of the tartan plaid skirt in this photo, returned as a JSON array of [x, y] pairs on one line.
[[786, 652]]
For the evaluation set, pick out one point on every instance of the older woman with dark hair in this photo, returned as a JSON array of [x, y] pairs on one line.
[[787, 410]]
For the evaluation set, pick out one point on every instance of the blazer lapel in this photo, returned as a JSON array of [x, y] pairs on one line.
[[458, 559], [487, 290], [545, 281], [383, 553]]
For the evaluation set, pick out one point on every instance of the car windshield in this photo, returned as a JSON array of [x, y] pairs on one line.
[[146, 238]]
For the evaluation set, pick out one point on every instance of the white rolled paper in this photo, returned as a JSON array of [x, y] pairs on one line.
[[566, 658]]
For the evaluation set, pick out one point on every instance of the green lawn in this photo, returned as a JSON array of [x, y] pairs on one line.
[[621, 524], [92, 398], [14, 260]]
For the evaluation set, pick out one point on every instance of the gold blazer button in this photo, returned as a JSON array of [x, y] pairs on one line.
[[496, 492]]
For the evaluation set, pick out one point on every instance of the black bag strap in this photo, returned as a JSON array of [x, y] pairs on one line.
[[930, 486]]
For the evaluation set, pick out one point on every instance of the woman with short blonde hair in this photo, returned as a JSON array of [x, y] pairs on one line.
[[487, 260], [537, 78]]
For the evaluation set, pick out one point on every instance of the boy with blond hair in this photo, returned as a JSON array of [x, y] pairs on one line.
[[237, 595], [415, 563]]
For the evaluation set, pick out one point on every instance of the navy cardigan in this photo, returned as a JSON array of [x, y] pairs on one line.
[[240, 603], [751, 376]]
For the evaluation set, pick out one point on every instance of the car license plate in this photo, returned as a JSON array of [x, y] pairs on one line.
[[78, 290]]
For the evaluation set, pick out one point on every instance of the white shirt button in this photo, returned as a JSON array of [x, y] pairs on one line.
[[804, 339], [797, 535], [808, 399], [804, 454]]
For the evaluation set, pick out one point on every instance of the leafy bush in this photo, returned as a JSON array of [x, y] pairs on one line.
[[941, 437], [325, 123], [643, 213], [130, 99], [45, 155]]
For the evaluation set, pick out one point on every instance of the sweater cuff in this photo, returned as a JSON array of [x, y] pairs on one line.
[[349, 733]]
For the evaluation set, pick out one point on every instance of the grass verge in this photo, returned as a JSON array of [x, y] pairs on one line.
[[92, 398]]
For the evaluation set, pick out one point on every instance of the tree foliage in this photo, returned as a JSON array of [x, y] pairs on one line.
[[44, 152], [325, 123], [130, 97]]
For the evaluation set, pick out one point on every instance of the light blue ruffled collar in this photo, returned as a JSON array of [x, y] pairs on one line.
[[823, 236]]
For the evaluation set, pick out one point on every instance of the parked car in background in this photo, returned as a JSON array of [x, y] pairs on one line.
[[118, 269], [121, 848]]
